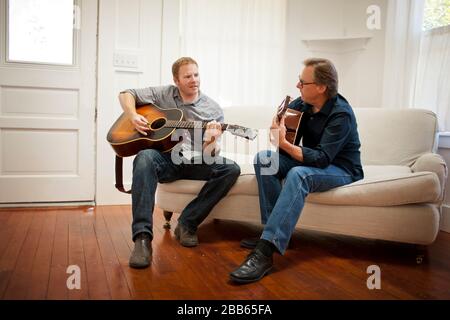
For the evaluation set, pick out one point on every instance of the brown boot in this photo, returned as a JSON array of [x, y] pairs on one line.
[[186, 237], [142, 252]]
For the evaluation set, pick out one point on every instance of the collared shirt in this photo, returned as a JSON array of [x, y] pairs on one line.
[[330, 136], [168, 97]]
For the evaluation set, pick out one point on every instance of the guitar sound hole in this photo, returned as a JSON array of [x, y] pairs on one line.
[[158, 124]]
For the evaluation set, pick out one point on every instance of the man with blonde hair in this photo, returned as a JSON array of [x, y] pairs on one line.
[[152, 166], [328, 157]]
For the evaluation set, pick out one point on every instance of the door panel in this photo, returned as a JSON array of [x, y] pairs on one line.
[[47, 120]]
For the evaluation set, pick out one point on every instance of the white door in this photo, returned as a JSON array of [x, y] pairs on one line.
[[47, 100]]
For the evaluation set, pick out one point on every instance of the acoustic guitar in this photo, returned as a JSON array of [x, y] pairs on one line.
[[292, 119], [162, 123]]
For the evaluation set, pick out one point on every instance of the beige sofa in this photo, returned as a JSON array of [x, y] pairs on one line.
[[398, 200]]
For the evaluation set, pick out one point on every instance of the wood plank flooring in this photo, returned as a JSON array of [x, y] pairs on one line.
[[38, 245]]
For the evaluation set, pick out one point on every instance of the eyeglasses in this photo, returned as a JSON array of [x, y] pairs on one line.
[[303, 83]]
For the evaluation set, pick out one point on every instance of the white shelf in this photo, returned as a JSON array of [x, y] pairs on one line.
[[337, 45]]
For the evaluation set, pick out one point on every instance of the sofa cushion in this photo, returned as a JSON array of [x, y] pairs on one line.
[[395, 136], [382, 186], [246, 184]]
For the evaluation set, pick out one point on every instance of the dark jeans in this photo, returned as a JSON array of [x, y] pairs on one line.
[[151, 166]]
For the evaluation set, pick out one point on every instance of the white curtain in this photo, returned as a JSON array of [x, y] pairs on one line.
[[432, 90], [240, 48], [403, 35]]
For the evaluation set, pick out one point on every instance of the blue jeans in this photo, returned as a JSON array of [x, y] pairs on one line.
[[281, 205], [151, 166]]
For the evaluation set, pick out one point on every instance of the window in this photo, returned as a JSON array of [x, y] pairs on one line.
[[433, 79], [41, 31], [437, 14]]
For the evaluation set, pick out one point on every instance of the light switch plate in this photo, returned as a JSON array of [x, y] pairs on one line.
[[127, 61]]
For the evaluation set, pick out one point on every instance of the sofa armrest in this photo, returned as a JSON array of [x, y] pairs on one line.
[[433, 162]]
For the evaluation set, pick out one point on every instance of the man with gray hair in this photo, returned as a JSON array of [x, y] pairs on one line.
[[327, 157]]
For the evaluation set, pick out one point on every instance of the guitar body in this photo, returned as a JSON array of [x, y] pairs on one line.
[[127, 141], [292, 122]]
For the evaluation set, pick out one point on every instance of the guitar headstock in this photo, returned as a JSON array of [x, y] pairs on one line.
[[283, 107], [242, 132]]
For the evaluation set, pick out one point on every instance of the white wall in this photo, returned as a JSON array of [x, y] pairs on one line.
[[132, 27], [359, 61]]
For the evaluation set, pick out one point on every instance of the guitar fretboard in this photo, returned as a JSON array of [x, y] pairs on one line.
[[190, 124], [283, 107]]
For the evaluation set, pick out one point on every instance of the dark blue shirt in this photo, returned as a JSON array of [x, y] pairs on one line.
[[330, 136]]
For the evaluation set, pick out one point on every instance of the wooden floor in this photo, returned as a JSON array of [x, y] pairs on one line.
[[38, 245]]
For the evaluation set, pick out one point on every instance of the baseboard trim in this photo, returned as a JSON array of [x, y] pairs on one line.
[[48, 204], [445, 222]]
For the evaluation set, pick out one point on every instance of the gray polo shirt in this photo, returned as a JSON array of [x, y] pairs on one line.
[[168, 97]]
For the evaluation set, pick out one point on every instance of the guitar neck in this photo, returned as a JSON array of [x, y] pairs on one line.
[[283, 107], [233, 129], [191, 124]]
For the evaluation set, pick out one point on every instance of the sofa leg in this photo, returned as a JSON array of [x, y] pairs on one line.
[[421, 253], [167, 216]]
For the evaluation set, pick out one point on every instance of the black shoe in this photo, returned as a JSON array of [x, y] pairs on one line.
[[249, 243], [255, 266], [142, 252], [186, 237]]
